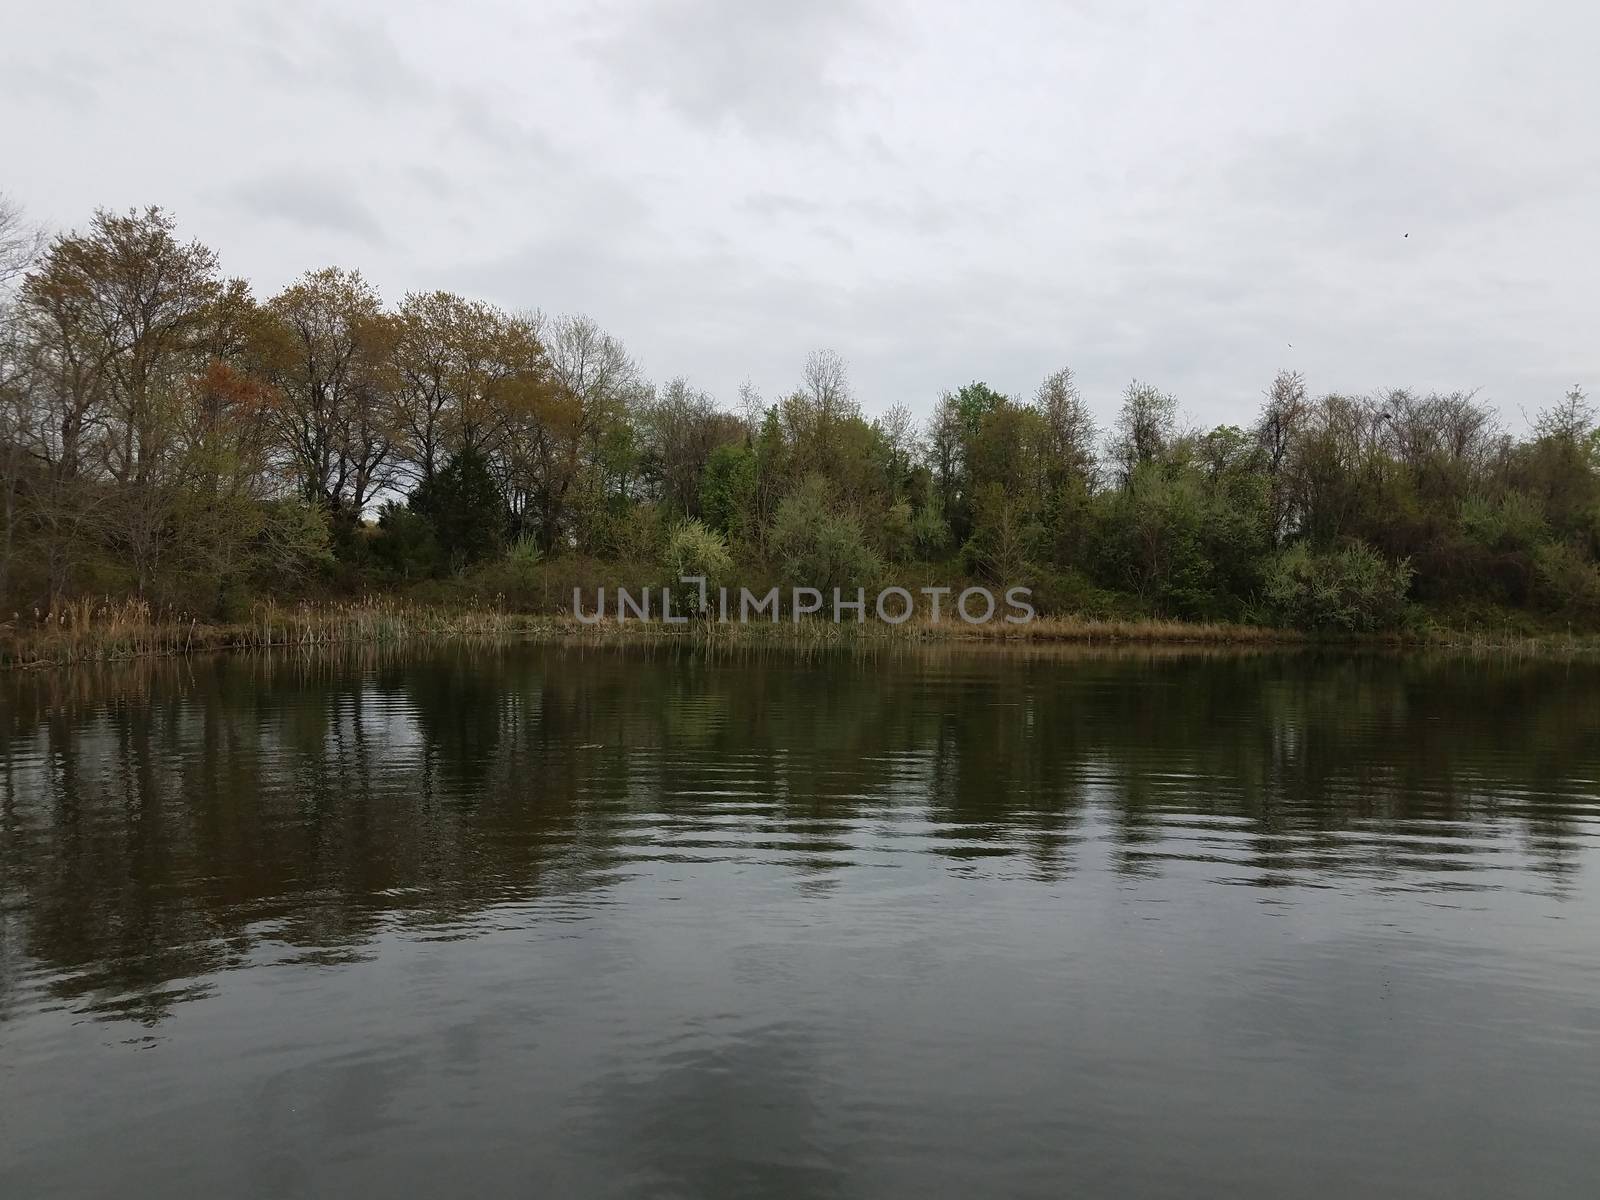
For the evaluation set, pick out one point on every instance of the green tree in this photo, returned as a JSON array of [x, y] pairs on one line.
[[465, 508], [406, 542], [1151, 542], [728, 491], [1003, 534]]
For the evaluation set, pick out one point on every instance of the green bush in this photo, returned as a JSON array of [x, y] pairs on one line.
[[1566, 580], [1066, 592], [623, 531], [1150, 542], [294, 542], [695, 549], [814, 546], [522, 559], [1350, 590], [1512, 522]]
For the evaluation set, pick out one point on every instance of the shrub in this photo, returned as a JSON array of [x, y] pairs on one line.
[[1151, 542], [1566, 580], [1513, 522], [294, 541], [1350, 590], [816, 547], [1066, 592], [522, 559], [693, 548], [623, 531]]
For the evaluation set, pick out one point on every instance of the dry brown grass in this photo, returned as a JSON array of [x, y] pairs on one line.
[[106, 630], [1093, 630]]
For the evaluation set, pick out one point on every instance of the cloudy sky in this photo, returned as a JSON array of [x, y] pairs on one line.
[[1196, 194]]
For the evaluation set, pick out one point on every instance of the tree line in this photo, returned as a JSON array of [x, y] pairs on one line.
[[164, 432]]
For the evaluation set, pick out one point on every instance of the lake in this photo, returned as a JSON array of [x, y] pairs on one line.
[[944, 922]]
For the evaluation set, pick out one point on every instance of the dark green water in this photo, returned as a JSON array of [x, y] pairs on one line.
[[543, 922]]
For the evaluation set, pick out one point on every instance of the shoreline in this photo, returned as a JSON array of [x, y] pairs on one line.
[[84, 634]]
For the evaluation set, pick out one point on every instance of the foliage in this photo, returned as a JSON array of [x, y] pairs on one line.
[[164, 433], [1349, 590], [407, 545], [815, 546], [1513, 521], [696, 550], [293, 542], [897, 534], [930, 532], [463, 506], [1003, 531], [523, 557], [620, 531], [728, 490], [1567, 580], [1145, 428], [1151, 542]]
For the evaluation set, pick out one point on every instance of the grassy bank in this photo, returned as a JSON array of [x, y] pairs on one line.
[[106, 631]]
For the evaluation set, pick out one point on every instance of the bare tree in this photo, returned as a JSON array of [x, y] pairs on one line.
[[16, 371], [827, 383], [140, 303], [898, 429], [1070, 432], [591, 365], [681, 428], [20, 243], [1572, 419], [58, 401], [752, 408], [814, 413], [424, 367], [944, 449], [1282, 420], [1561, 464], [1333, 465], [1145, 428]]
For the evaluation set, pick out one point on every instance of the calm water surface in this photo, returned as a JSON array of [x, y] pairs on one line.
[[603, 923]]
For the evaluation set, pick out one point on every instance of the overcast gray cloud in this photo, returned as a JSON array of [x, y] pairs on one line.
[[767, 69], [310, 200], [939, 191]]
